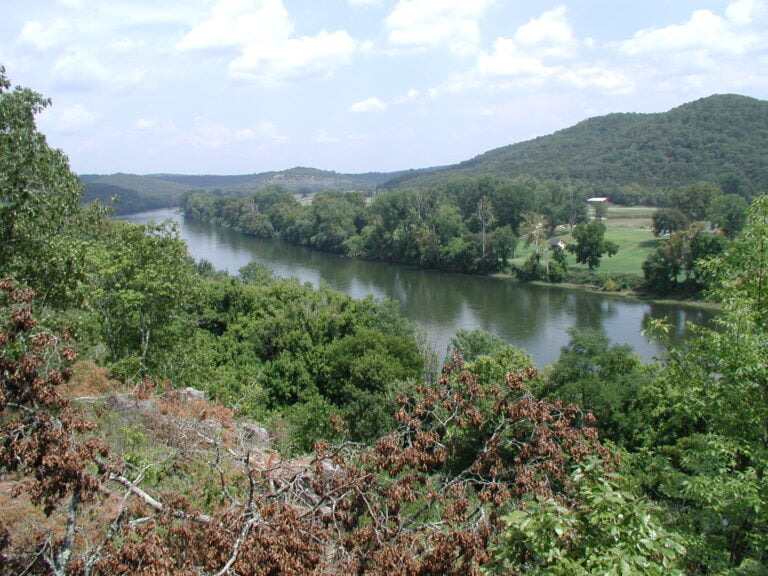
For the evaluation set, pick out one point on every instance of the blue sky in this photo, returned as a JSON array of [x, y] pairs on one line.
[[242, 86]]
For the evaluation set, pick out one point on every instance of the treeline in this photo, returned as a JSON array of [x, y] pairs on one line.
[[467, 225]]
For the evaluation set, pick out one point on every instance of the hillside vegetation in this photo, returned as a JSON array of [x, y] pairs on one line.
[[719, 139]]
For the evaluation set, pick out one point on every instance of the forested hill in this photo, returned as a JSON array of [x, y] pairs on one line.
[[721, 139]]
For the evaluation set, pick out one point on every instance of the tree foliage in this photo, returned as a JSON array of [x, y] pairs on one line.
[[708, 417], [39, 199], [601, 377], [591, 244]]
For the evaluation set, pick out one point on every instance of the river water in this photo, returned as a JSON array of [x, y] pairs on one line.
[[535, 318]]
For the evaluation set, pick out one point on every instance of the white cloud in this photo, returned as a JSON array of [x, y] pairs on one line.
[[236, 23], [145, 123], [72, 119], [508, 60], [209, 134], [369, 105], [154, 123], [363, 2], [269, 131], [704, 31], [429, 24], [323, 138], [44, 37], [295, 58], [80, 71], [261, 31], [533, 59], [607, 81], [548, 35], [745, 12], [411, 96]]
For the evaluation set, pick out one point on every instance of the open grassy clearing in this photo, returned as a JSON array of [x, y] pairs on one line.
[[629, 227], [636, 217]]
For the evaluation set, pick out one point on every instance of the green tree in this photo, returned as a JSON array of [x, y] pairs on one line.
[[706, 425], [668, 221], [591, 245], [611, 533], [474, 343], [504, 244], [600, 210], [682, 253], [39, 198], [558, 265], [729, 213], [598, 376], [694, 200], [143, 279]]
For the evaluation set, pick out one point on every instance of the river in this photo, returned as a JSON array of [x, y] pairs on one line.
[[535, 318]]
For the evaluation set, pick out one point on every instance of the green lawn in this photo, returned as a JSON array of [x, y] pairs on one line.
[[629, 227]]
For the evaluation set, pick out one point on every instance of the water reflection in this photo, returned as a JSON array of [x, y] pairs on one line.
[[536, 318]]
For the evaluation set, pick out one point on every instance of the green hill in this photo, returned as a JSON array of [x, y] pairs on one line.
[[720, 139]]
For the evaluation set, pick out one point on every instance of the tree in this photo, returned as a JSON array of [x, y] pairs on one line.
[[598, 376], [682, 253], [694, 200], [504, 244], [611, 532], [558, 265], [486, 218], [534, 231], [39, 198], [668, 221], [143, 278], [729, 213], [601, 210], [591, 244], [474, 343], [706, 420]]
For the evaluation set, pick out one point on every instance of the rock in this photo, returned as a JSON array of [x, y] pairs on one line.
[[255, 434], [189, 394], [127, 403]]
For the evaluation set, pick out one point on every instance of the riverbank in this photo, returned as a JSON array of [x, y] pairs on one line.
[[627, 294]]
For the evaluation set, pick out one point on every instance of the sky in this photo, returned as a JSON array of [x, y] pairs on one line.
[[249, 86]]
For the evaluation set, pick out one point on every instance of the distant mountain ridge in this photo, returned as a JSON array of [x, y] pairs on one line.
[[151, 191], [717, 139]]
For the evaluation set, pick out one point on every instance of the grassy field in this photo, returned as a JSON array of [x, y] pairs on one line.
[[629, 227]]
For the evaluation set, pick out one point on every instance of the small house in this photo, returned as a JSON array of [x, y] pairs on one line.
[[556, 244]]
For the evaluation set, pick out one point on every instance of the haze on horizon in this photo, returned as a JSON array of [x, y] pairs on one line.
[[244, 86]]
